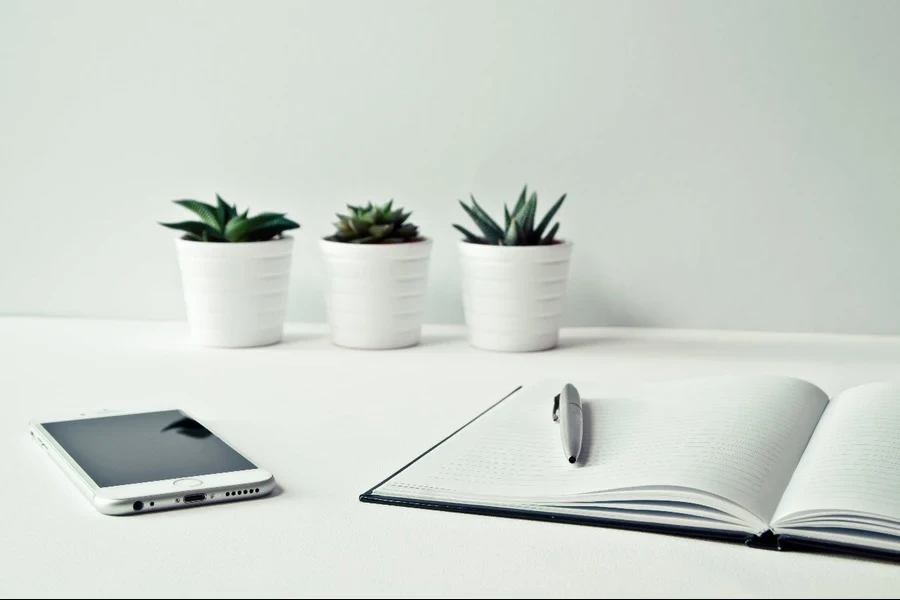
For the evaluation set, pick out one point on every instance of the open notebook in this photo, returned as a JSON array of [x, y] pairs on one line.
[[769, 460]]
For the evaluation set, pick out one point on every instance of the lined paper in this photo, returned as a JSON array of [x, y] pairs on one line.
[[738, 438], [852, 464]]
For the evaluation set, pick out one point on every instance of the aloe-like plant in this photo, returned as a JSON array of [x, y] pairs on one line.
[[223, 223], [374, 225], [519, 227]]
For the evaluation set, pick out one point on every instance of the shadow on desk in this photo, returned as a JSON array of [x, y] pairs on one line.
[[585, 342], [299, 338], [438, 339]]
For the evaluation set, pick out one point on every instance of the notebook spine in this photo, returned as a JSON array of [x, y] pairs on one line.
[[767, 540], [793, 543]]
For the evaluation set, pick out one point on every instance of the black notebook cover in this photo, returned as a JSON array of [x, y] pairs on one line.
[[767, 540]]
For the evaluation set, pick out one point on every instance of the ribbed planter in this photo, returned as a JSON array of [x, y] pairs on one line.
[[235, 294], [513, 295], [375, 293]]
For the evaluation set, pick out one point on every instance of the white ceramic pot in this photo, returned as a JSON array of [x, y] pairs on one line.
[[235, 293], [375, 293], [513, 295]]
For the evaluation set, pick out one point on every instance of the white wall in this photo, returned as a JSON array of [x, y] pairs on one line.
[[728, 164]]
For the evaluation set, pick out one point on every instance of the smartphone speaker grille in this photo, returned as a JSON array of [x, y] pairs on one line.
[[242, 492]]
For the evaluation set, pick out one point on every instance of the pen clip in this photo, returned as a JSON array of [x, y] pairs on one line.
[[556, 408]]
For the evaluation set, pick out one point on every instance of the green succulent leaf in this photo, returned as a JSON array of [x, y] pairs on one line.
[[539, 231], [549, 239], [496, 231], [470, 237], [487, 227], [341, 237], [379, 231], [206, 212], [196, 229], [267, 232], [513, 234], [240, 227], [408, 231], [528, 219], [520, 203], [222, 223], [223, 212], [372, 224], [519, 224], [235, 228], [358, 226]]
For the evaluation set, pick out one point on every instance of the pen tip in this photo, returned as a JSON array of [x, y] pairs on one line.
[[572, 460]]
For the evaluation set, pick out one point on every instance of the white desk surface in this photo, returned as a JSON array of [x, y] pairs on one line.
[[279, 404]]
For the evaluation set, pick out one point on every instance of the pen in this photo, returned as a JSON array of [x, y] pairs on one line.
[[567, 410]]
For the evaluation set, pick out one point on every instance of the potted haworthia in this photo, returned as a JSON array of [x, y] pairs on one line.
[[377, 275], [235, 270], [514, 277]]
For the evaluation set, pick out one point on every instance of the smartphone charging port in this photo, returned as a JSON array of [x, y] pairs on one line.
[[192, 498]]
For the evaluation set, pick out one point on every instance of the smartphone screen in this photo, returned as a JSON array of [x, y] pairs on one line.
[[140, 448]]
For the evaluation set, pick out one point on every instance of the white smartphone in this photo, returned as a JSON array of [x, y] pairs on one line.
[[145, 462]]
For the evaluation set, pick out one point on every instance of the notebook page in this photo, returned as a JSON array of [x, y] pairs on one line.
[[736, 437], [852, 463]]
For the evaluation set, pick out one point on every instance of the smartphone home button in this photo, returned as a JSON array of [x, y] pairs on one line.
[[187, 483]]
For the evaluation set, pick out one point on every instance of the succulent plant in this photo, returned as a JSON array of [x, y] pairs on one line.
[[374, 225], [223, 223], [519, 228]]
